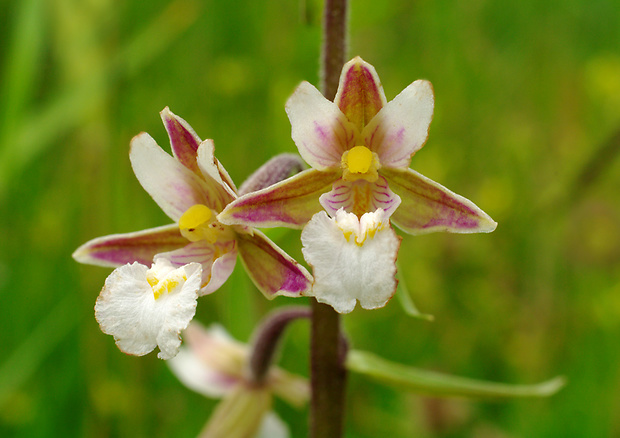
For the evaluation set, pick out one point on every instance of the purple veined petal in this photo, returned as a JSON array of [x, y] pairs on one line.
[[272, 270], [217, 260], [140, 246], [428, 207], [360, 94], [183, 140], [360, 197], [401, 127], [289, 203], [172, 186], [210, 168], [320, 130]]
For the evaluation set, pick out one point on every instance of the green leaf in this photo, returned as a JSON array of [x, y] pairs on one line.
[[404, 298], [438, 384]]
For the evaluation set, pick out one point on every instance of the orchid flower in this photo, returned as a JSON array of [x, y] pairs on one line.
[[144, 308], [360, 146], [192, 187], [214, 364]]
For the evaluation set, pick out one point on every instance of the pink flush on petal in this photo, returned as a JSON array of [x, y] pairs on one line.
[[360, 95]]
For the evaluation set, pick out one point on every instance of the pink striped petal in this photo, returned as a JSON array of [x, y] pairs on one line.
[[172, 186], [401, 127], [427, 206], [319, 129], [360, 95], [119, 249], [289, 203], [217, 260], [360, 197], [183, 140], [272, 270]]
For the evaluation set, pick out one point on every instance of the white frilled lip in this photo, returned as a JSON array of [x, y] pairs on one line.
[[352, 259], [128, 310]]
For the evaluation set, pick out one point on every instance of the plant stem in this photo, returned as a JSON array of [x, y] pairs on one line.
[[267, 338], [328, 375], [333, 52], [327, 351]]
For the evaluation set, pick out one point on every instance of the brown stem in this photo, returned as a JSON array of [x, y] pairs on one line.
[[328, 375], [334, 49], [327, 351]]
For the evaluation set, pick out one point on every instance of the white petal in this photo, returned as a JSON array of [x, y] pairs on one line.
[[199, 378], [211, 362], [319, 129], [272, 426], [400, 128], [172, 186], [128, 310], [344, 269]]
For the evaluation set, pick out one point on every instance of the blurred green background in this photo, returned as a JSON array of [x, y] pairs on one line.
[[526, 125]]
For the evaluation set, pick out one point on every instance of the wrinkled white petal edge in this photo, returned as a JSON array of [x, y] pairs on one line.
[[346, 271], [128, 310]]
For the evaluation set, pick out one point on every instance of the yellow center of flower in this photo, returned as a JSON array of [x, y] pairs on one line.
[[360, 162], [199, 223], [167, 285], [359, 159]]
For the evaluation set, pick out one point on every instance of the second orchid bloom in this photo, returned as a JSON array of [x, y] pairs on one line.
[[191, 187], [359, 147]]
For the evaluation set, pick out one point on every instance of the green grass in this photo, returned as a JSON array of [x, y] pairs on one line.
[[527, 105]]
